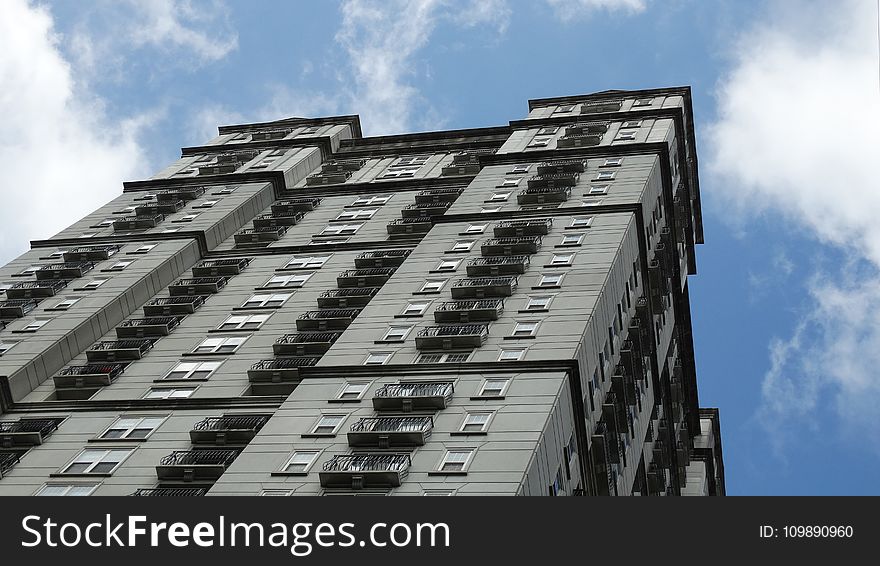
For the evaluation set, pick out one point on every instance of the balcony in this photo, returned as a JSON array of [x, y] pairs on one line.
[[188, 287], [594, 107], [89, 375], [511, 246], [166, 306], [451, 336], [482, 310], [304, 343], [465, 162], [498, 265], [36, 289], [482, 287], [227, 163], [276, 219], [411, 396], [7, 461], [140, 222], [239, 429], [165, 207], [586, 128], [17, 308], [90, 253], [437, 195], [267, 135], [371, 277], [195, 465], [171, 492], [562, 166], [327, 319], [579, 140], [296, 205], [536, 227], [429, 209], [406, 226], [328, 178], [357, 471], [70, 270], [259, 235], [381, 258], [390, 432], [338, 165], [220, 267], [26, 433], [553, 181], [543, 195], [179, 193], [149, 327], [344, 298], [119, 350], [278, 376]]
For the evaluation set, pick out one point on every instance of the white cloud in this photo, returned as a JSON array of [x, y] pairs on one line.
[[60, 156], [796, 137], [202, 28], [568, 10]]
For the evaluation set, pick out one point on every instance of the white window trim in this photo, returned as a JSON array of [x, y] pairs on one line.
[[171, 392], [501, 393], [463, 245], [340, 395], [285, 468], [483, 428], [544, 283], [445, 460], [266, 299], [340, 229], [68, 488], [299, 279], [342, 417], [219, 345], [423, 306], [199, 367], [536, 302], [397, 336], [444, 357], [92, 465], [524, 330], [387, 356], [245, 323], [502, 358], [451, 265], [433, 285], [128, 431], [308, 262], [572, 240]]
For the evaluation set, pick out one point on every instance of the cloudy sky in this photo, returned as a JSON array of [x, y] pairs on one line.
[[787, 100]]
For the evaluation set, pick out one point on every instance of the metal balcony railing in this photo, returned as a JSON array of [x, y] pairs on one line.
[[498, 260], [388, 432], [485, 282], [109, 370], [152, 209], [352, 292], [365, 277], [90, 253], [447, 330], [220, 267], [282, 218], [239, 155], [242, 422], [286, 363], [171, 492], [348, 297], [438, 195], [381, 258], [393, 424], [558, 166], [162, 306], [197, 285], [326, 319], [17, 308], [328, 178], [481, 287], [138, 222], [329, 313], [586, 128], [179, 193], [260, 234], [550, 181], [425, 209], [368, 463], [578, 140], [44, 427], [265, 135], [148, 326], [511, 245], [469, 311], [537, 226], [305, 343], [7, 461], [200, 458], [414, 220], [112, 350], [296, 205], [338, 165], [67, 270], [543, 194], [610, 105], [414, 395], [31, 289]]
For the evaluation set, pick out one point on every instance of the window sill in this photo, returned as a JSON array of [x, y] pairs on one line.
[[552, 265], [468, 433], [231, 330], [519, 337], [406, 315], [426, 292], [318, 435], [576, 227], [526, 311], [567, 245], [23, 331], [286, 474], [278, 288], [457, 251], [541, 287], [255, 308], [442, 271], [389, 341], [305, 268], [62, 475], [344, 400], [176, 380], [116, 440], [487, 398], [447, 473], [213, 354]]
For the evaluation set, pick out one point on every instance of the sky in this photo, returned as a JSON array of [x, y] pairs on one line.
[[786, 301]]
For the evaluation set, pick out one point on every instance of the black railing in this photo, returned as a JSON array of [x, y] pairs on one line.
[[369, 272], [44, 426], [586, 128], [7, 460], [242, 422], [338, 165], [428, 206], [329, 313], [286, 363], [307, 203], [309, 338], [381, 254], [546, 190], [478, 304], [240, 262], [91, 252], [537, 222], [393, 424], [219, 282], [562, 166], [610, 105], [445, 330], [195, 300], [416, 389], [141, 345], [369, 463], [111, 370], [415, 220], [17, 307], [70, 266], [276, 230], [296, 215], [486, 282], [200, 458], [170, 321], [500, 260], [171, 492], [351, 292], [52, 284], [433, 192], [181, 193]]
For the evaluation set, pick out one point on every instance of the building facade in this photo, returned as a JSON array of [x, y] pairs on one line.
[[295, 309]]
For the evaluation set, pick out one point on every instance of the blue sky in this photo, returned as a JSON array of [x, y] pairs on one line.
[[786, 301]]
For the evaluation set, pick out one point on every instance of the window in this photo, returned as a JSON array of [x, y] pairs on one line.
[[415, 308], [353, 390], [34, 325], [613, 162], [311, 130], [494, 387], [206, 204], [605, 175], [475, 422], [340, 229], [643, 102], [328, 241], [410, 160], [169, 230], [66, 490], [563, 108], [170, 393], [487, 209], [463, 245], [188, 217], [476, 228], [6, 345], [57, 254], [104, 223], [550, 280], [119, 266], [301, 461], [88, 234], [432, 286], [498, 197], [127, 210], [545, 206], [297, 280], [539, 142], [400, 173], [64, 304], [328, 424], [396, 333], [192, 370], [29, 270], [364, 214], [95, 461], [571, 239], [377, 358], [6, 285], [94, 284], [267, 300], [227, 190], [438, 492], [455, 460], [525, 329], [443, 358], [244, 322], [132, 427], [631, 124], [220, 345], [511, 355], [509, 182], [307, 262], [519, 169], [275, 493], [539, 303], [627, 135], [448, 265], [584, 222], [371, 200], [592, 201], [144, 249], [547, 131], [562, 259]]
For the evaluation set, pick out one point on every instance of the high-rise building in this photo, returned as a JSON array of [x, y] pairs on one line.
[[295, 309]]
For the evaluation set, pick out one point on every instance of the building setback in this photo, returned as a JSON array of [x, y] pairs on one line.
[[295, 309]]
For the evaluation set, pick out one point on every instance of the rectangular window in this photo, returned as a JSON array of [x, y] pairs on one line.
[[396, 333], [562, 260], [364, 214], [547, 131], [455, 460], [539, 303], [613, 162], [244, 322], [463, 245], [220, 345], [192, 370], [119, 265], [64, 304], [605, 175], [519, 169], [563, 108], [401, 173], [643, 102], [377, 358], [103, 223], [572, 240], [631, 124], [411, 161], [260, 300], [494, 387], [448, 265], [415, 308], [34, 325], [301, 461], [539, 142], [432, 286], [275, 493], [132, 427], [95, 461], [280, 281], [438, 493], [94, 284], [377, 200], [592, 202], [328, 424], [550, 280], [525, 329], [144, 249], [187, 217], [340, 229], [476, 228], [628, 135], [509, 183], [488, 209], [443, 358], [206, 204], [307, 262], [584, 222], [66, 490], [499, 197], [598, 190], [475, 422], [170, 393], [512, 355], [6, 345], [353, 390]]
